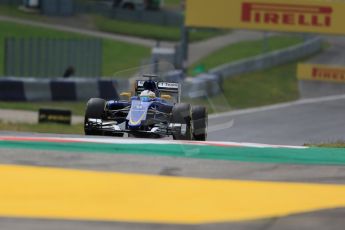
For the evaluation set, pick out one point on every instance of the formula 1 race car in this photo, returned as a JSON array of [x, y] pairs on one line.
[[154, 111]]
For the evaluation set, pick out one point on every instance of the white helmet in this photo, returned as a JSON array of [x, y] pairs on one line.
[[148, 93]]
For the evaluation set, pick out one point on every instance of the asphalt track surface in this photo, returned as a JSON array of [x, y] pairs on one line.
[[292, 124], [331, 56], [297, 123]]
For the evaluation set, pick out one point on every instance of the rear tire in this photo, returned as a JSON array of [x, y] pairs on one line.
[[200, 121], [94, 109], [182, 114]]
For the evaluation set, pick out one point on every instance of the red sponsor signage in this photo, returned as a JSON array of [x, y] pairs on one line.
[[328, 74], [287, 14], [306, 16]]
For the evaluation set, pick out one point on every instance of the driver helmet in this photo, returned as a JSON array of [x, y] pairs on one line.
[[150, 85], [148, 93]]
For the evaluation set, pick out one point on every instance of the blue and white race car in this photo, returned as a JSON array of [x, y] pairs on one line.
[[154, 111]]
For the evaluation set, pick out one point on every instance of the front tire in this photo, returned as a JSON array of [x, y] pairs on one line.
[[94, 109], [200, 122]]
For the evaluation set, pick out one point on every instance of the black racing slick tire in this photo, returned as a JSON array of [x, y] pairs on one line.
[[200, 122], [182, 114], [94, 109]]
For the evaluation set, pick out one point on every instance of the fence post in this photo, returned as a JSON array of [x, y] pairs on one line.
[[99, 58], [39, 57], [30, 55], [7, 64]]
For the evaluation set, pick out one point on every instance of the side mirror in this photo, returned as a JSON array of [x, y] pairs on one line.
[[166, 97], [126, 94]]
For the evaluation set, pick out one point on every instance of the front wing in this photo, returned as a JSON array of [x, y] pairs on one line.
[[113, 128]]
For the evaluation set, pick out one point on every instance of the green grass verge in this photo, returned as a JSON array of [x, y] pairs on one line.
[[336, 144], [118, 56], [13, 11], [77, 108], [172, 3], [275, 85], [266, 87], [242, 50], [43, 128], [150, 31]]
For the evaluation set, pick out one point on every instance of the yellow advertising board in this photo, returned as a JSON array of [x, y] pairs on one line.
[[315, 16], [314, 72]]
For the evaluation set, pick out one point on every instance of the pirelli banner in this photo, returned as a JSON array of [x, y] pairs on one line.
[[315, 16], [321, 73]]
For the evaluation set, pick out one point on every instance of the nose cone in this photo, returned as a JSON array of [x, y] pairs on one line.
[[137, 113]]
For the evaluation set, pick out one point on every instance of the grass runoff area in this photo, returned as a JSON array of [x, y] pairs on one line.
[[77, 108], [174, 3], [242, 50], [157, 32], [330, 144], [116, 55], [43, 128], [137, 29], [270, 86]]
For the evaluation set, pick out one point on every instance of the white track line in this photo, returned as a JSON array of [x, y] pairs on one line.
[[142, 141], [216, 128], [278, 106]]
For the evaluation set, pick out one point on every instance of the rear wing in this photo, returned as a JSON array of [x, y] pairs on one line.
[[171, 88]]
